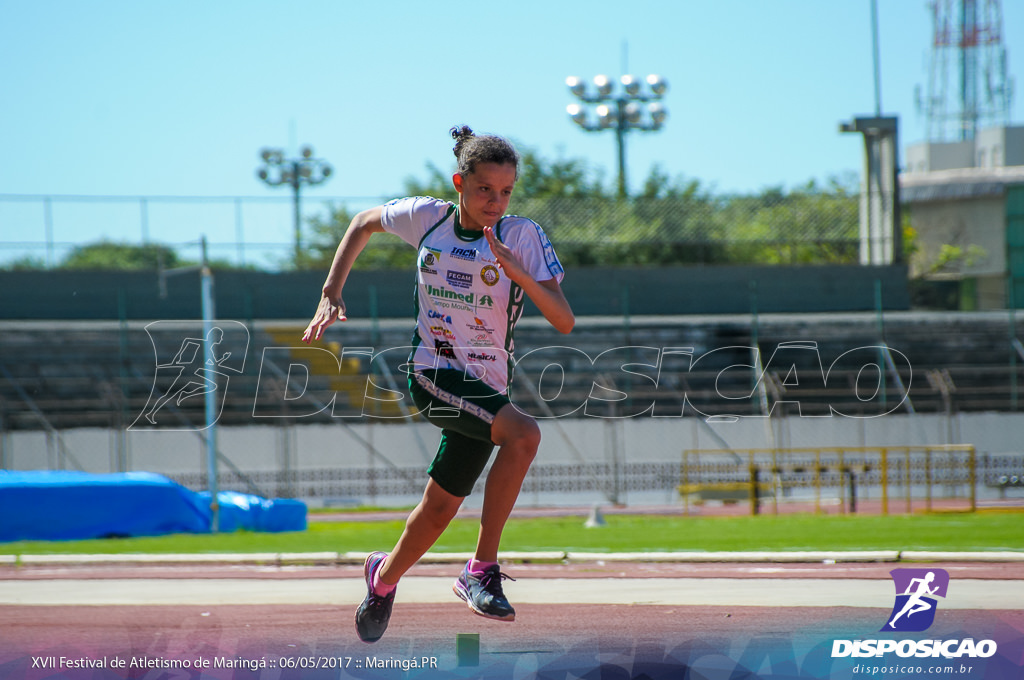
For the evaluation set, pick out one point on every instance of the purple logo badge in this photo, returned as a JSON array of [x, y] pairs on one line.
[[914, 610]]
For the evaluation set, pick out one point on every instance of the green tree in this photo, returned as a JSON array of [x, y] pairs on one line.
[[562, 177], [680, 222], [26, 263], [384, 251], [809, 225], [120, 256], [671, 221], [436, 184], [538, 178], [550, 192], [109, 255]]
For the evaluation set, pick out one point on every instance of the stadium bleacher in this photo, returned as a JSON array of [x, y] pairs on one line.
[[103, 374]]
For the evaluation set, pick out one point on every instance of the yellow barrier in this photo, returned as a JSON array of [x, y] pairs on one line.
[[708, 473], [348, 377]]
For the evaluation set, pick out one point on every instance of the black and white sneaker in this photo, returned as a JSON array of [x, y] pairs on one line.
[[374, 613], [483, 593]]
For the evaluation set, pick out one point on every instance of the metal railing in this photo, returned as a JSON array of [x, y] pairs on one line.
[[795, 228], [904, 477], [244, 231]]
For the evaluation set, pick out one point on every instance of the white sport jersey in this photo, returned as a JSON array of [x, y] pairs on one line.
[[466, 306]]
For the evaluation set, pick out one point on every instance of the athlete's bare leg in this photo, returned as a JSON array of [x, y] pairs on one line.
[[518, 437], [425, 525]]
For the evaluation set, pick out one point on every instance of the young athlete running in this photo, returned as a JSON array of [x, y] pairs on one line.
[[475, 266]]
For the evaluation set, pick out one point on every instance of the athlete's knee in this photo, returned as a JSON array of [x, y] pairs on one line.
[[529, 436], [517, 430], [436, 517], [438, 508], [520, 449]]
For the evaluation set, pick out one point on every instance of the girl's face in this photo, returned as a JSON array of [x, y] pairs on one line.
[[484, 194]]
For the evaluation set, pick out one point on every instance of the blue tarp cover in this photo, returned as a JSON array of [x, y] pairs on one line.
[[253, 513], [56, 505]]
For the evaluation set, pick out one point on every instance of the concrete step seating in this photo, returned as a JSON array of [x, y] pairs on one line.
[[100, 374]]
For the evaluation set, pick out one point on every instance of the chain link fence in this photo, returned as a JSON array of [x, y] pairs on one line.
[[811, 226], [778, 229]]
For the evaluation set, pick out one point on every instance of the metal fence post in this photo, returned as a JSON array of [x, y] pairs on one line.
[[928, 479], [851, 481], [885, 481], [817, 481], [972, 474], [754, 488], [906, 477]]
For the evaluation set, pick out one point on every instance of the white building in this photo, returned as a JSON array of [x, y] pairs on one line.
[[966, 205]]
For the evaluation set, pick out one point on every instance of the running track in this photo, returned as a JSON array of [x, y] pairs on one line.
[[583, 620]]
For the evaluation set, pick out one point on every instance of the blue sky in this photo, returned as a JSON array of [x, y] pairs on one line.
[[177, 98]]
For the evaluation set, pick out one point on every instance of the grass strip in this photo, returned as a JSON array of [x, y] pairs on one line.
[[623, 533]]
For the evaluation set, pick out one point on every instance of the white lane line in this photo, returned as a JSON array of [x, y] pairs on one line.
[[963, 593]]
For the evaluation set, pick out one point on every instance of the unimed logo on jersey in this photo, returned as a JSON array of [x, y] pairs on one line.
[[916, 590]]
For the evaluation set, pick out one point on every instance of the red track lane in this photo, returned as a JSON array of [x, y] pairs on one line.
[[816, 570], [578, 636], [432, 628], [546, 641]]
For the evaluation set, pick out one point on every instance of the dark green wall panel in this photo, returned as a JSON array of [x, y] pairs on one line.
[[592, 291]]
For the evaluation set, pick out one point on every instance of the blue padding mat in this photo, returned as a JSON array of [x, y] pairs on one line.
[[253, 513], [52, 505]]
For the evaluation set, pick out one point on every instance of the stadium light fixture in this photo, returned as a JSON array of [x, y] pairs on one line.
[[307, 170], [619, 111], [576, 112], [657, 84]]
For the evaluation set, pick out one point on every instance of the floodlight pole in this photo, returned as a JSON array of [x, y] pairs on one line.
[[211, 394], [294, 172], [620, 140], [623, 115]]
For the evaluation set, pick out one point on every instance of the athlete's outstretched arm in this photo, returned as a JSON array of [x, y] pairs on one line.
[[332, 307], [547, 295]]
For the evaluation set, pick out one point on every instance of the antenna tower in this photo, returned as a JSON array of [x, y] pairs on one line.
[[967, 81]]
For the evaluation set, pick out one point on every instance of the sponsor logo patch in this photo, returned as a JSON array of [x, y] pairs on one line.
[[489, 275], [443, 348], [457, 279], [440, 316], [467, 254], [428, 258]]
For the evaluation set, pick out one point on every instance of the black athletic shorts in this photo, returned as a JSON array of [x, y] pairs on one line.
[[464, 409]]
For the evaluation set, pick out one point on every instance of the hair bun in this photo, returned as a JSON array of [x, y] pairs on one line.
[[471, 149], [460, 135]]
